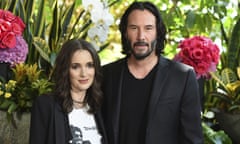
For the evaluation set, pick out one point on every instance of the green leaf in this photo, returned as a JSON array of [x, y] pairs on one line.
[[53, 56], [190, 19], [40, 21], [66, 19], [214, 137], [234, 46], [6, 103], [221, 96], [42, 48], [228, 76], [234, 108], [12, 107], [53, 37], [29, 10]]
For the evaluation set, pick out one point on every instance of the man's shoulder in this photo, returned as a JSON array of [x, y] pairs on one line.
[[182, 67], [114, 64], [175, 65]]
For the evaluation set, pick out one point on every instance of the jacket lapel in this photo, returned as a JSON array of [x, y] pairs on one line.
[[117, 102], [160, 79], [62, 130]]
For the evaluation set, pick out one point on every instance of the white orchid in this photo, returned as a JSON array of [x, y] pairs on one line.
[[101, 19], [101, 16], [92, 4], [98, 31]]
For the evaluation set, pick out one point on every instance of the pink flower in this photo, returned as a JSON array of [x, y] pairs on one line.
[[13, 48], [15, 55], [8, 40], [11, 26], [200, 53]]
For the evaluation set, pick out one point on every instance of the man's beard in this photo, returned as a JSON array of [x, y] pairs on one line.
[[140, 43]]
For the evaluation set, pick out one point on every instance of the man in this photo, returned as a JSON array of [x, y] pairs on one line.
[[148, 98]]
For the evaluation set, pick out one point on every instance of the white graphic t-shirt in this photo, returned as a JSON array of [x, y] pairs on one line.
[[83, 127]]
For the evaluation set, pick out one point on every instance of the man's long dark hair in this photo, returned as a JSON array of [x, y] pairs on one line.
[[161, 29], [61, 76]]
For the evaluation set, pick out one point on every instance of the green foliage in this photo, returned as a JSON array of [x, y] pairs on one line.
[[48, 25], [17, 94], [188, 18], [214, 137], [227, 94], [233, 52]]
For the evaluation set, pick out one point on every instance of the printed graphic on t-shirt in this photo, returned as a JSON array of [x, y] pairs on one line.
[[83, 127], [77, 136]]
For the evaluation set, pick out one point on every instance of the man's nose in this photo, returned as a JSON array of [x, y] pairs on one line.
[[141, 35]]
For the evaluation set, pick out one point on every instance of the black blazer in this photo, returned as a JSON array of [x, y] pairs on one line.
[[49, 125], [174, 106]]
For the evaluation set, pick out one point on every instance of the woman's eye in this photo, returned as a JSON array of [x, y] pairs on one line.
[[90, 65], [74, 66]]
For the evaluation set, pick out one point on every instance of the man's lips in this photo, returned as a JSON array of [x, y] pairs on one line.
[[140, 44]]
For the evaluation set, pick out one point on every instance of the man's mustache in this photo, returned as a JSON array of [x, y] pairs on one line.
[[140, 43]]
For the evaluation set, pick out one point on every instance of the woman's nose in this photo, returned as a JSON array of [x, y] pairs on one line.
[[82, 72]]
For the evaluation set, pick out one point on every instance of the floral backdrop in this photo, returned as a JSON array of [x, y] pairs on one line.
[[31, 57]]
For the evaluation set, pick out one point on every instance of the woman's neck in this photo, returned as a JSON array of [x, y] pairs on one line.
[[78, 98]]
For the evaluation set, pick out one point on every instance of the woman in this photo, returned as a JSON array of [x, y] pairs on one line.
[[71, 113]]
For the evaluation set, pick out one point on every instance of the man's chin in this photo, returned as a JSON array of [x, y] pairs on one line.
[[141, 56]]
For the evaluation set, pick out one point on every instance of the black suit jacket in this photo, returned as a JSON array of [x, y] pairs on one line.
[[49, 125], [174, 108]]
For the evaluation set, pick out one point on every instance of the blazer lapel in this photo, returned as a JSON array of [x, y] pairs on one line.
[[118, 81], [160, 79], [61, 126]]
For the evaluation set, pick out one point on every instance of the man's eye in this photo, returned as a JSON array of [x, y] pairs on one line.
[[132, 27], [149, 28]]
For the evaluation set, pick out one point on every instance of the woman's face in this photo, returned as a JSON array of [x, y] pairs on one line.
[[82, 71]]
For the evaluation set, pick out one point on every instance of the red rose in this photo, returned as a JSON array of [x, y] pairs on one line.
[[1, 13], [5, 26], [8, 16], [200, 53], [16, 29], [201, 68], [19, 21], [8, 40], [10, 27], [196, 54]]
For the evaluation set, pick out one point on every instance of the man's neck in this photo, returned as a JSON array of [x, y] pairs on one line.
[[141, 68]]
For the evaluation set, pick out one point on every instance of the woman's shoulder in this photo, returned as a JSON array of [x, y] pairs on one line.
[[44, 100]]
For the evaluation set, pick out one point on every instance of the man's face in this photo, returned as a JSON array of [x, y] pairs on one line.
[[141, 33]]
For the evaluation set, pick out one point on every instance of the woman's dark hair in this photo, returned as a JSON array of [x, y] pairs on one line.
[[61, 78], [161, 29]]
